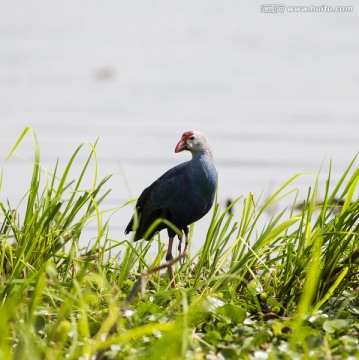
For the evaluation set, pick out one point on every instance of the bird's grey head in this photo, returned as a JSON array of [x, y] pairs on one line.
[[193, 141]]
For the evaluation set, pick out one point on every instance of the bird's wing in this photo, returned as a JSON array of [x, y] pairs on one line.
[[159, 198], [165, 191]]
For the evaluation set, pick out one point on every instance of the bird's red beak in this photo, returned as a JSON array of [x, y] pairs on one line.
[[182, 145]]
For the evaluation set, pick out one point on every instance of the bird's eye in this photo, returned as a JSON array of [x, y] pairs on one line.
[[191, 137]]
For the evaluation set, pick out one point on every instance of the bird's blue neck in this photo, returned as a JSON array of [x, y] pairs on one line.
[[202, 154], [204, 173]]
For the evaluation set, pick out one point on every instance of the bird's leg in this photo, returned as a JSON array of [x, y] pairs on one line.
[[179, 244], [169, 257], [185, 251], [186, 233]]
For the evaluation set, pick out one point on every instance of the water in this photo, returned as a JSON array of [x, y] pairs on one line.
[[277, 94]]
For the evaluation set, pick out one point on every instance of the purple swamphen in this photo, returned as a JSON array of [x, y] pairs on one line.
[[182, 195]]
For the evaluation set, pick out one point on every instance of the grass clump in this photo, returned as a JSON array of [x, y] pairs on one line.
[[283, 286]]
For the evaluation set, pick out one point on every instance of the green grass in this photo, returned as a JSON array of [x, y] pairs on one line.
[[284, 286]]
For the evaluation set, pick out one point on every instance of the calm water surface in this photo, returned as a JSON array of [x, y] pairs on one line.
[[277, 94]]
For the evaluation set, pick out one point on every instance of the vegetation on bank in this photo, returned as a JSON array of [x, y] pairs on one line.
[[259, 288]]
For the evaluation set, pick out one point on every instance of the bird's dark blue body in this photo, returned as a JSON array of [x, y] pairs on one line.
[[182, 195]]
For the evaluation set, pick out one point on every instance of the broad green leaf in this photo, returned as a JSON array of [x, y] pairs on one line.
[[338, 325], [234, 313]]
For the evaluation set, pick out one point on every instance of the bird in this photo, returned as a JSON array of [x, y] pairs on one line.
[[182, 195]]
